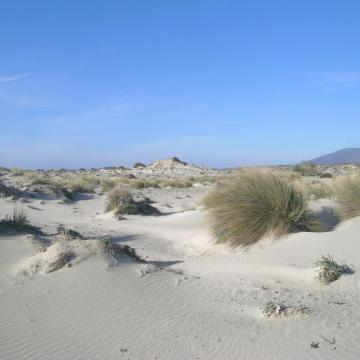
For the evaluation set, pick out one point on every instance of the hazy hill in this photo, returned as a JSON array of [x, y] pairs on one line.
[[344, 156]]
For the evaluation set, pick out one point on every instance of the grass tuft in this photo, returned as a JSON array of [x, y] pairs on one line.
[[348, 196], [83, 184], [256, 203], [121, 201], [17, 220]]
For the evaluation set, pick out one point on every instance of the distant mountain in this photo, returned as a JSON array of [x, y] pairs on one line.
[[344, 156]]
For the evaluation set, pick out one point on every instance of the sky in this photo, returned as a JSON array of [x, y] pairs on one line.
[[217, 83]]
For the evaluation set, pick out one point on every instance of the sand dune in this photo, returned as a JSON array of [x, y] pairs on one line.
[[192, 299]]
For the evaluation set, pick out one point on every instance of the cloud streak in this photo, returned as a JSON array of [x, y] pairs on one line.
[[10, 78], [330, 80]]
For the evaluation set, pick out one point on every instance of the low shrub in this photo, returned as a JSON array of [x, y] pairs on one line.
[[330, 270]]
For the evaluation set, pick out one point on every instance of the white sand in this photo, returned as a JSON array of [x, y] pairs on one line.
[[197, 300]]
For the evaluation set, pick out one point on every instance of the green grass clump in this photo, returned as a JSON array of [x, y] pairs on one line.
[[330, 270], [17, 220], [256, 203], [348, 196]]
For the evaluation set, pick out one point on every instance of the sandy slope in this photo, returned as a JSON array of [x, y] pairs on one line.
[[195, 300]]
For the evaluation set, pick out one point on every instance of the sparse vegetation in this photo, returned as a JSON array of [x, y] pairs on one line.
[[279, 310], [107, 184], [330, 270], [83, 184], [348, 196], [273, 309], [62, 192], [326, 175], [64, 233], [17, 171], [33, 178], [17, 220], [318, 190], [256, 203], [306, 169], [121, 201], [116, 249]]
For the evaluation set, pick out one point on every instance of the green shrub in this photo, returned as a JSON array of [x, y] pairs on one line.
[[330, 270], [257, 203]]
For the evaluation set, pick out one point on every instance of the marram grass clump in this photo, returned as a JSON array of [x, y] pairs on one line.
[[330, 270], [256, 203], [348, 196]]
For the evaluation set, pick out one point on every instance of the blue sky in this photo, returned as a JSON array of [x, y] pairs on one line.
[[219, 83]]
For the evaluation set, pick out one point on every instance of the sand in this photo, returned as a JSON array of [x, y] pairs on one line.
[[193, 299]]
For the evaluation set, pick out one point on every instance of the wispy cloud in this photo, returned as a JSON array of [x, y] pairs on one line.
[[11, 78], [335, 80]]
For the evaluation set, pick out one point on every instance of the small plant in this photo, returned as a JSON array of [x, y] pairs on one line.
[[257, 203], [62, 192], [273, 309], [116, 249], [330, 270], [67, 234], [18, 220]]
